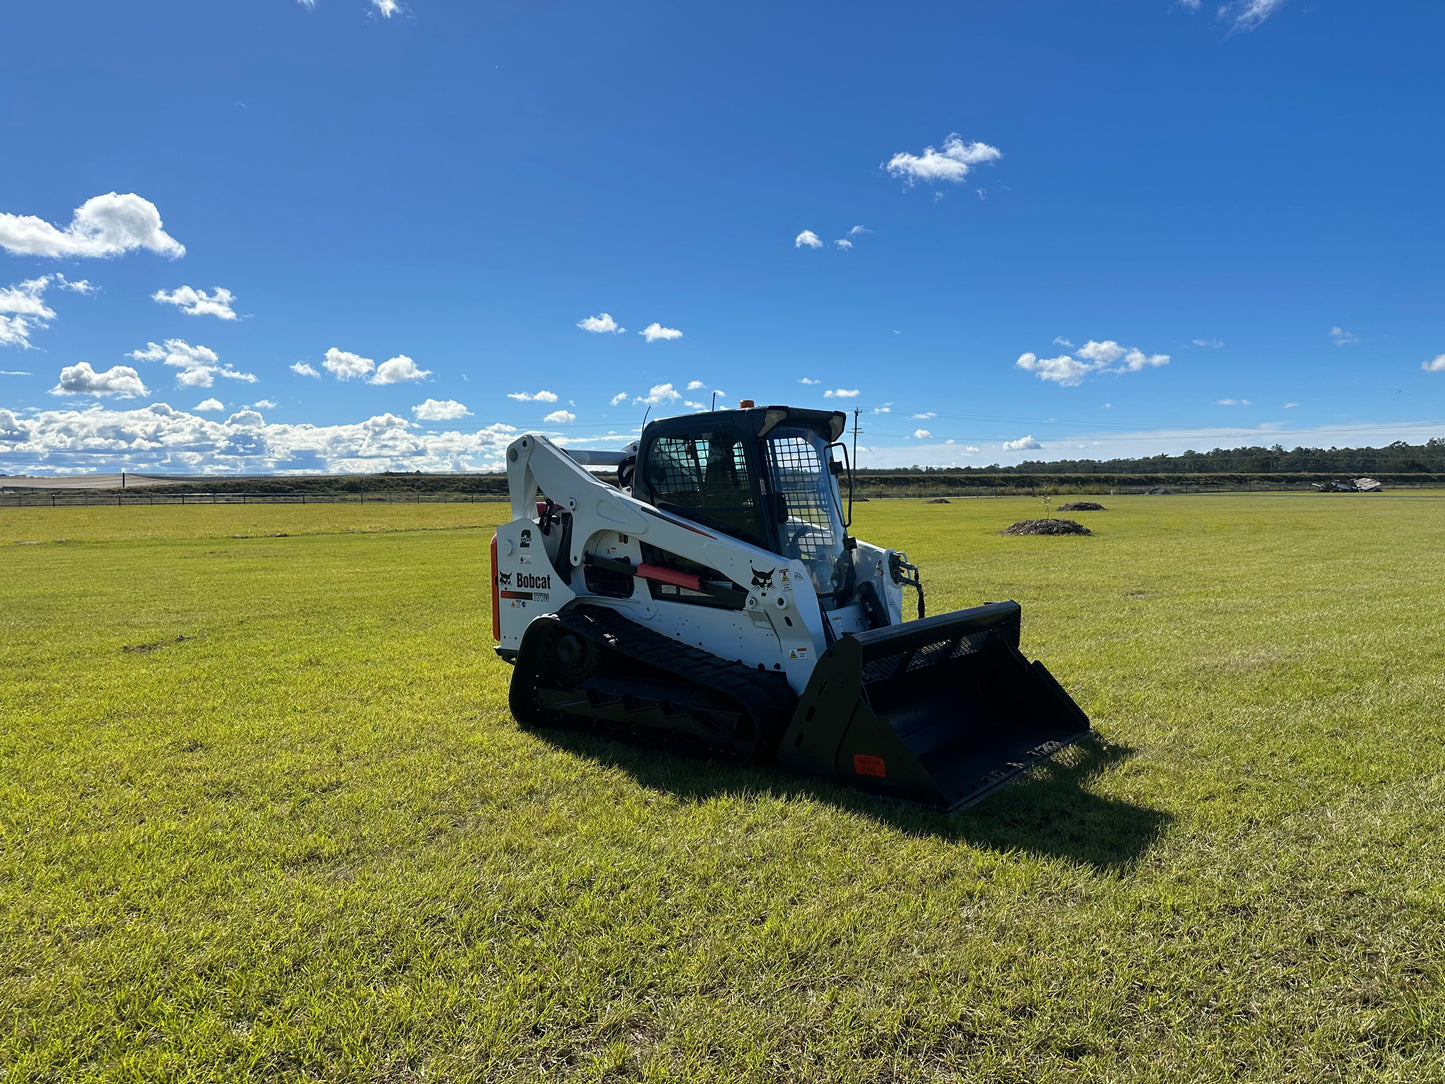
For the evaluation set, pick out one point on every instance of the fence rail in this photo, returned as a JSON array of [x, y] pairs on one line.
[[52, 499]]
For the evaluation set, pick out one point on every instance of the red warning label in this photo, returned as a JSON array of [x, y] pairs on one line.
[[863, 764]]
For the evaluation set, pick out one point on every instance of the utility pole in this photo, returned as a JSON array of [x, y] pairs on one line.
[[856, 412]]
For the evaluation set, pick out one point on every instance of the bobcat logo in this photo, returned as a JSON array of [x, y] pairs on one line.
[[763, 579], [504, 579]]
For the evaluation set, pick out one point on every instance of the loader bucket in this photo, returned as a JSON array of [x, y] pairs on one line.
[[938, 712]]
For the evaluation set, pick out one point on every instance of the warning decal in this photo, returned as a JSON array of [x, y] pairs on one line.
[[863, 764]]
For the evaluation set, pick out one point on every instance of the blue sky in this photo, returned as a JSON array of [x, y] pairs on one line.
[[363, 235]]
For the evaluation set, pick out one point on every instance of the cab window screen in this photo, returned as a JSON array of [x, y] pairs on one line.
[[706, 479]]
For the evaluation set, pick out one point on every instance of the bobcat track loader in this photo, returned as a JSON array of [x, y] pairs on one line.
[[714, 597]]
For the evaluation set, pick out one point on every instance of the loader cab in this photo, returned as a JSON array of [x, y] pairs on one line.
[[764, 475]]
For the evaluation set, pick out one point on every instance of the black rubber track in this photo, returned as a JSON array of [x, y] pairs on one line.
[[647, 686]]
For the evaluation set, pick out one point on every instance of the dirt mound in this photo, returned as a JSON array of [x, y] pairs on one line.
[[1047, 526], [938, 500], [1081, 506]]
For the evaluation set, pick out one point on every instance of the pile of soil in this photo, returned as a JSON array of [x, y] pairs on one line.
[[1081, 506], [938, 500], [1047, 526], [1158, 491]]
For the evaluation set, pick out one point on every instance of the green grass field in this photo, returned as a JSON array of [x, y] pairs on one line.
[[264, 815]]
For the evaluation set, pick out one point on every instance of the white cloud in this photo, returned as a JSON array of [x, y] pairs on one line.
[[15, 372], [440, 410], [198, 302], [344, 365], [560, 417], [23, 309], [264, 404], [1098, 357], [843, 242], [1290, 406], [101, 226], [921, 434], [886, 408], [199, 365], [693, 405], [528, 397], [654, 331], [1434, 365], [620, 397], [602, 324], [1213, 344], [659, 395], [302, 369], [693, 385], [163, 439], [398, 370], [387, 8], [1233, 402], [309, 5], [80, 379], [807, 239], [951, 164], [1059, 340], [1061, 370], [856, 230], [926, 415], [1192, 5], [210, 404], [841, 393], [808, 380], [1023, 444], [1250, 13], [1341, 337]]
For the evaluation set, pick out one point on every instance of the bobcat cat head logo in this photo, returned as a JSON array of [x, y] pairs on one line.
[[763, 579], [504, 579]]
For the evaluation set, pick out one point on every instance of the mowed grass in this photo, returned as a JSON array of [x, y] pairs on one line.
[[264, 815]]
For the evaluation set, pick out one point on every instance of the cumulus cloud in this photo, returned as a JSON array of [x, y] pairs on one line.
[[560, 417], [398, 370], [101, 226], [119, 380], [23, 309], [1097, 357], [440, 410], [654, 331], [951, 164], [1434, 365], [693, 385], [921, 434], [620, 397], [843, 243], [163, 439], [1023, 444], [199, 365], [210, 404], [807, 239], [344, 365], [808, 380], [602, 324], [659, 395], [198, 302], [1063, 369], [264, 404], [302, 369], [856, 230], [528, 397], [387, 8], [1341, 337], [841, 393]]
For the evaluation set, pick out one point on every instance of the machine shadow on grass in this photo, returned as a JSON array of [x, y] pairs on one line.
[[1050, 811]]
